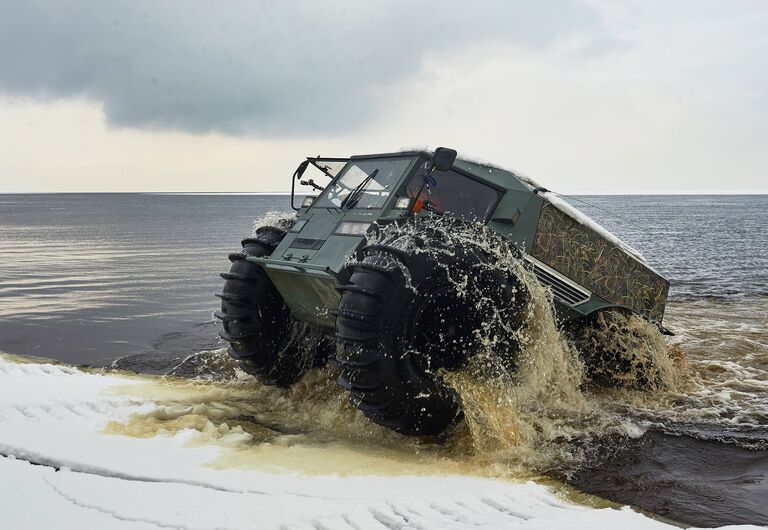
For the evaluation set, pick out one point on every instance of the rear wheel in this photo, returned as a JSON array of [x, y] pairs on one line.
[[615, 353], [406, 314], [262, 335]]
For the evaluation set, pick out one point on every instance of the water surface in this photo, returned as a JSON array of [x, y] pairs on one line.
[[129, 278]]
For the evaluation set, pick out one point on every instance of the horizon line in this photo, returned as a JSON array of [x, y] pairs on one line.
[[283, 193]]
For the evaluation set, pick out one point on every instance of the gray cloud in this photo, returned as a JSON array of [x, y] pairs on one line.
[[246, 67]]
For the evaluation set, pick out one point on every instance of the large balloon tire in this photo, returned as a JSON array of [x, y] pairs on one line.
[[612, 353], [400, 322], [257, 324]]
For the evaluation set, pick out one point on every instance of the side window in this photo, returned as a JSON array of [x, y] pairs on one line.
[[454, 194]]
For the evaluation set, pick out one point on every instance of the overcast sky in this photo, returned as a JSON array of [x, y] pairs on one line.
[[182, 95]]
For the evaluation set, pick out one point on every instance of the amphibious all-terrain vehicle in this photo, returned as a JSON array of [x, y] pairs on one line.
[[368, 275]]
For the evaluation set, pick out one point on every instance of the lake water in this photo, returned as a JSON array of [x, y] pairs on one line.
[[130, 279]]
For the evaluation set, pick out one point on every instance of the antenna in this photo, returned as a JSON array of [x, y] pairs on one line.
[[609, 212]]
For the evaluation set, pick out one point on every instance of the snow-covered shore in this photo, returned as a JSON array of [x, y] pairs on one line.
[[59, 469]]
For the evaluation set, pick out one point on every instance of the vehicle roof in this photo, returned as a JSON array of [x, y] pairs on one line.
[[496, 175], [506, 179]]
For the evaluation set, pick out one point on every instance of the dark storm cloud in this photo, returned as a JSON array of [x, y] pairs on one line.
[[252, 67]]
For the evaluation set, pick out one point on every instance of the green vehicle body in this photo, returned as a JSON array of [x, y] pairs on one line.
[[586, 271]]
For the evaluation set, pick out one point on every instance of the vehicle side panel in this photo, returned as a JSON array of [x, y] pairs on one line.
[[516, 218], [599, 265]]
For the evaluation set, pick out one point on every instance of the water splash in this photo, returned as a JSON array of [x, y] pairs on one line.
[[516, 420], [274, 218], [541, 417], [539, 414]]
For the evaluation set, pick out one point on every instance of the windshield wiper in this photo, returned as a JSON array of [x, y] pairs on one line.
[[310, 182], [351, 199]]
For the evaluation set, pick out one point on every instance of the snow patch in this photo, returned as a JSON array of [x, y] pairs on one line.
[[58, 469]]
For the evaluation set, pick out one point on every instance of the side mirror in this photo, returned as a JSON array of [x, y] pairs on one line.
[[442, 159]]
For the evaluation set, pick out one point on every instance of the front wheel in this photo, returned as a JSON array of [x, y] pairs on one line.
[[405, 315], [257, 324]]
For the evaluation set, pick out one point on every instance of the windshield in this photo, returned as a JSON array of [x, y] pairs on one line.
[[365, 183]]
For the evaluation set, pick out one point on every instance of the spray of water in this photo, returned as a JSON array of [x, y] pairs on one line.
[[274, 218], [533, 415], [539, 417]]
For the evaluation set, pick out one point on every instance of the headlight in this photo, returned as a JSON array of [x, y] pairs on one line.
[[403, 203], [308, 200], [352, 228]]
